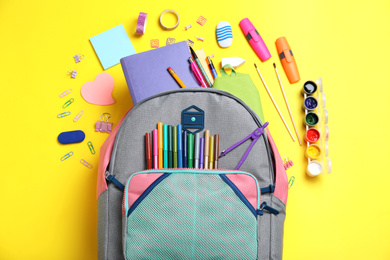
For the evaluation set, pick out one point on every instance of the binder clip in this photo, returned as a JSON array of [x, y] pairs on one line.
[[103, 125], [287, 163], [72, 73], [78, 58]]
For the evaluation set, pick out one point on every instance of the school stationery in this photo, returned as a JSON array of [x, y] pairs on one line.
[[211, 153], [99, 91], [173, 12], [141, 23], [203, 60], [165, 145], [241, 86], [206, 148], [91, 148], [198, 62], [235, 62], [155, 149], [216, 151], [146, 73], [71, 137], [254, 39], [185, 149], [247, 201], [103, 125], [190, 150], [211, 66], [160, 144], [196, 150], [224, 34], [288, 107], [287, 59], [178, 80], [170, 148], [198, 75], [201, 153], [179, 146], [148, 150], [174, 146], [275, 105], [112, 45]]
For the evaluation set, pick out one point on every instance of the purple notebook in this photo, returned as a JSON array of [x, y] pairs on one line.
[[146, 72]]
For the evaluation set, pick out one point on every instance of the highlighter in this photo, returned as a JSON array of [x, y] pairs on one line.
[[254, 39], [174, 146], [170, 150], [179, 147], [160, 144], [190, 150], [211, 158], [165, 145], [206, 148], [197, 73], [287, 59], [185, 146], [155, 149]]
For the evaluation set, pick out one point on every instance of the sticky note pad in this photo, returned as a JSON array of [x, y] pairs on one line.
[[112, 45]]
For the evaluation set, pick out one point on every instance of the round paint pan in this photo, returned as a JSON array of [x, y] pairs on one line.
[[313, 151], [312, 119], [312, 135], [310, 103], [314, 168], [309, 88]]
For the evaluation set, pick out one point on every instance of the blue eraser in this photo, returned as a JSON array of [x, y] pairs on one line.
[[71, 137]]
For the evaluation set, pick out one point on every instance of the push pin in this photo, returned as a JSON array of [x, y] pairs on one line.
[[199, 38], [187, 27], [103, 125], [78, 58]]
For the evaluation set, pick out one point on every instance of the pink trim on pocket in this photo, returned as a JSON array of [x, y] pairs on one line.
[[105, 156], [247, 185], [281, 182]]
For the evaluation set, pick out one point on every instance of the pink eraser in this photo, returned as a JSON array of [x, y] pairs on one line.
[[255, 40]]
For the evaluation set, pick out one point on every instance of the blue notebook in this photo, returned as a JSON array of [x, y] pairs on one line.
[[147, 75]]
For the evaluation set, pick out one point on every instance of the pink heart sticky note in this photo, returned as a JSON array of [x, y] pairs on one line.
[[99, 91]]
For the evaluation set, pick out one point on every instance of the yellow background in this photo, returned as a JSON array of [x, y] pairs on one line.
[[48, 207]]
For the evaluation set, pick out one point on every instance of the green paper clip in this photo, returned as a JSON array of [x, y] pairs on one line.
[[63, 114], [67, 103], [291, 181], [66, 156], [90, 146]]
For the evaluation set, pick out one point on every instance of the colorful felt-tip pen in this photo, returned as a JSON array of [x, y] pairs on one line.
[[212, 68], [178, 80], [201, 153], [190, 150], [211, 158], [216, 151], [160, 144], [179, 147], [155, 148], [201, 68], [185, 149], [197, 73], [206, 148], [170, 149], [196, 150], [174, 146], [148, 151], [165, 145]]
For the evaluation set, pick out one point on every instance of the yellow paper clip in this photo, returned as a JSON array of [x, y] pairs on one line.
[[66, 156], [67, 103], [291, 181], [63, 114], [90, 146], [86, 164], [78, 116], [66, 92]]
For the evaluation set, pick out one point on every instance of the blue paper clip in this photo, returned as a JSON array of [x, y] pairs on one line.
[[63, 114], [67, 103], [90, 146], [66, 156], [291, 181]]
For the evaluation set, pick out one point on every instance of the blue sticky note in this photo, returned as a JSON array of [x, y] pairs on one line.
[[112, 45]]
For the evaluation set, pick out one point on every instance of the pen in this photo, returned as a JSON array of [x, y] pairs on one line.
[[174, 146], [160, 145], [201, 68], [201, 153], [165, 145], [190, 150], [211, 159], [178, 80], [216, 151], [185, 146], [197, 73], [206, 148], [196, 150], [170, 150], [155, 148], [148, 151], [212, 68], [179, 147]]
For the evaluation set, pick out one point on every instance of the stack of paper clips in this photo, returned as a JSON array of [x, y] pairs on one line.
[[317, 130]]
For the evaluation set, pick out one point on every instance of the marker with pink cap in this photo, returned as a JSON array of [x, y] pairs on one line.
[[255, 40]]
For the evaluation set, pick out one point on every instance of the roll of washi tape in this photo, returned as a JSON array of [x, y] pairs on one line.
[[313, 151], [309, 88], [141, 23], [326, 133], [311, 119], [310, 103], [326, 116], [312, 135], [314, 168], [173, 12]]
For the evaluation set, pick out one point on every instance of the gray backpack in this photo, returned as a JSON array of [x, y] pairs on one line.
[[234, 212]]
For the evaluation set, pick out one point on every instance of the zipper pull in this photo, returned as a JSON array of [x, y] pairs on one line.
[[264, 206], [111, 178]]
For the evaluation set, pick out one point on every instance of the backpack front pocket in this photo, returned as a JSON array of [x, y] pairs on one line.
[[190, 214]]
